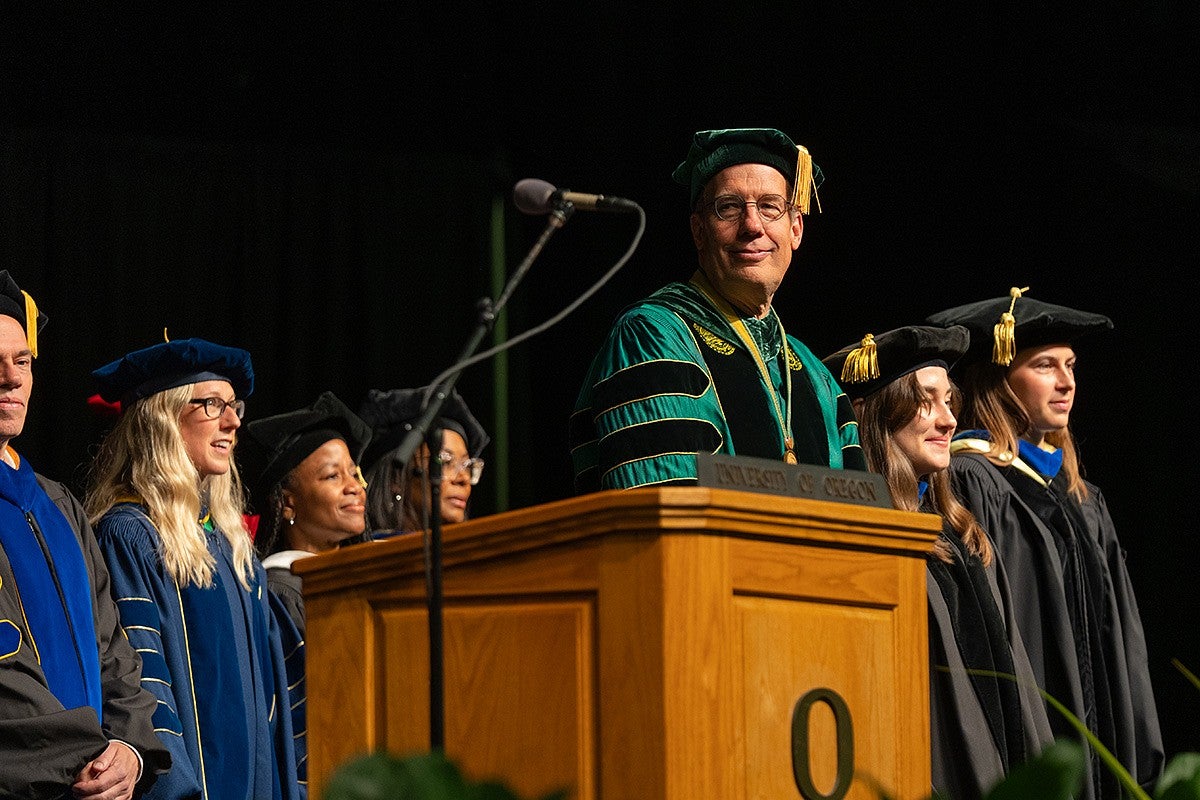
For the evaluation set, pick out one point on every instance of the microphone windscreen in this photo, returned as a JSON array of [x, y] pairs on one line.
[[532, 196]]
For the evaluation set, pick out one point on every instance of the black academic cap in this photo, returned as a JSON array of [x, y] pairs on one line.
[[169, 364], [393, 413], [868, 366], [20, 306], [713, 151], [1004, 325], [284, 440]]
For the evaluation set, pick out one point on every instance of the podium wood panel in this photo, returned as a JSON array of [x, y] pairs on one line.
[[649, 644]]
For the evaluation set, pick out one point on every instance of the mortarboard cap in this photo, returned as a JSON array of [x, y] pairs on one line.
[[169, 364], [1002, 326], [392, 414], [876, 361], [713, 151], [284, 440], [19, 305]]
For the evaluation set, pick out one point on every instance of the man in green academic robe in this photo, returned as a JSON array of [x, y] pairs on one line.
[[706, 366]]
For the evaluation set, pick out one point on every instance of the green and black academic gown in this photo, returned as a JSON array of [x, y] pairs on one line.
[[1074, 605], [676, 377]]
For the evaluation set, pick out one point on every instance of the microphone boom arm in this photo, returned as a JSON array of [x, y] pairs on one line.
[[433, 401], [437, 392], [435, 397]]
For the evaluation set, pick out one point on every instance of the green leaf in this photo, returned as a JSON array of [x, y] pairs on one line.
[[1110, 761], [1181, 779], [422, 776], [1054, 774], [1186, 672]]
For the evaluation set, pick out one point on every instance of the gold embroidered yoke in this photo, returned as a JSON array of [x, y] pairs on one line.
[[674, 378]]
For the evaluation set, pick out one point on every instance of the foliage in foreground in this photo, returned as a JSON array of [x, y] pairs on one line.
[[423, 776]]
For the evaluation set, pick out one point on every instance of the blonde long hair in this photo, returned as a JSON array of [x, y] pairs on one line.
[[144, 457], [990, 404]]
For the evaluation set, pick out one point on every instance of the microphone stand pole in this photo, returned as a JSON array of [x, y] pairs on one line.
[[435, 399]]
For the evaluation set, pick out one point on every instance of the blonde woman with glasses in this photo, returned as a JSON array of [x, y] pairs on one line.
[[168, 508]]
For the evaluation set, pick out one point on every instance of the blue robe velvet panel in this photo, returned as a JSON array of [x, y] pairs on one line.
[[213, 658], [42, 744]]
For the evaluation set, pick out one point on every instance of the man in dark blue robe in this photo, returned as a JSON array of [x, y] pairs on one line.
[[73, 716]]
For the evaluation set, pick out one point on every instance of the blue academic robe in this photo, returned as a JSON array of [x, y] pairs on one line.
[[213, 658]]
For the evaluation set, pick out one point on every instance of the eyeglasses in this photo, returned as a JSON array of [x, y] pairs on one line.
[[451, 469], [214, 407], [731, 208]]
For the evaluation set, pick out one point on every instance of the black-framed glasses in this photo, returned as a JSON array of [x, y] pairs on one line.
[[214, 407], [732, 208]]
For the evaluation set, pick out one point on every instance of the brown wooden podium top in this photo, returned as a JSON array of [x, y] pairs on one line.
[[648, 511]]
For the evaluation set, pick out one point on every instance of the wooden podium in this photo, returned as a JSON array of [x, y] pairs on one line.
[[673, 643]]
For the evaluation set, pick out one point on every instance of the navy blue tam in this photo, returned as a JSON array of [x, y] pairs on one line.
[[170, 364]]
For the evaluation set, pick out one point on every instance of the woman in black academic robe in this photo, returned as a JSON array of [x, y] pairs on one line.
[[309, 492], [981, 725], [398, 491], [311, 499], [1018, 471]]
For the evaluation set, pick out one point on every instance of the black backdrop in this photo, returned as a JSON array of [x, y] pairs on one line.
[[328, 187]]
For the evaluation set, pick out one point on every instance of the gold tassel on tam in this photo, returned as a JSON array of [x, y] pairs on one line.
[[804, 189], [862, 363], [31, 323], [1004, 344]]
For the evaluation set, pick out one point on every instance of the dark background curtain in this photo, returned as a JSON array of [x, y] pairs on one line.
[[328, 187]]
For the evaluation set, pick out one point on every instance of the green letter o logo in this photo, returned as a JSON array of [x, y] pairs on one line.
[[801, 764]]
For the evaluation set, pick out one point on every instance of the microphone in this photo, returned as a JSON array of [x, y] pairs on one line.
[[534, 196]]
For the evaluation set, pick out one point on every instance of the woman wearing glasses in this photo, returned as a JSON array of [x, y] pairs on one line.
[[166, 502], [397, 493]]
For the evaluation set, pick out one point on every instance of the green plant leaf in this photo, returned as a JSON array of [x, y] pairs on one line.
[[1186, 672], [1110, 761], [421, 776], [382, 776], [1181, 779], [1054, 774]]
